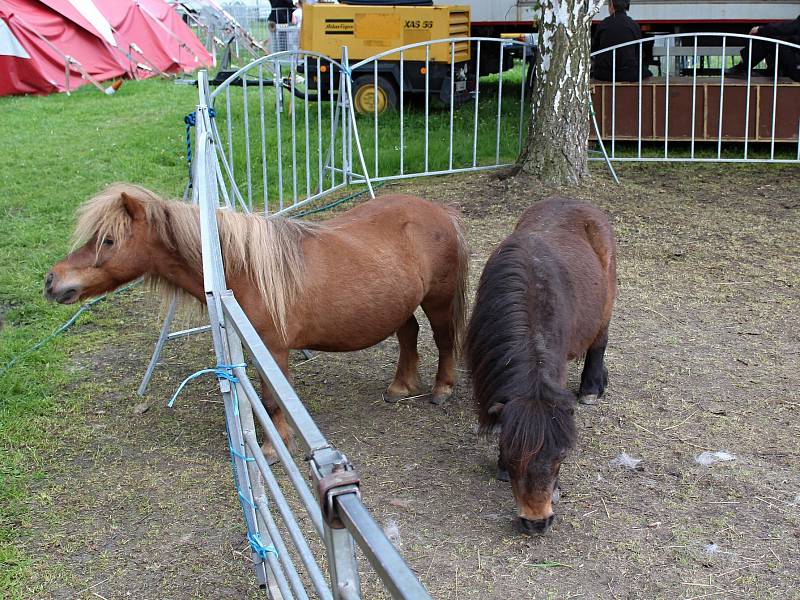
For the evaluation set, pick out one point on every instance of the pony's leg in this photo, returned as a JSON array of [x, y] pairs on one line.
[[502, 469], [274, 409], [440, 316], [406, 379], [595, 375]]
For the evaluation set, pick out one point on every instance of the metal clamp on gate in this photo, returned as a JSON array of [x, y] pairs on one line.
[[334, 478]]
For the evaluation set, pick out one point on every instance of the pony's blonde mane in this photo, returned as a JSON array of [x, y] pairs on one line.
[[267, 250]]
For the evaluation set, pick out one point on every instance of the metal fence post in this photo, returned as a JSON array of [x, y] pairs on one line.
[[345, 103], [247, 427], [330, 465], [352, 129], [341, 551], [205, 191]]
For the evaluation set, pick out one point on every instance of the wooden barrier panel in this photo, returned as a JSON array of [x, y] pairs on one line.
[[618, 110]]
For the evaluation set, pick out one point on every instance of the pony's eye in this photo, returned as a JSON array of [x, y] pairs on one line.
[[108, 242]]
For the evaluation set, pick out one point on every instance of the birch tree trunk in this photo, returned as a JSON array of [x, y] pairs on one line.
[[556, 148]]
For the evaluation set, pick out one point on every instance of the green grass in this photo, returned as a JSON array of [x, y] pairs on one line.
[[58, 151]]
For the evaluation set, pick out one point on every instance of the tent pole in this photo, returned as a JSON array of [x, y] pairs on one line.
[[66, 74]]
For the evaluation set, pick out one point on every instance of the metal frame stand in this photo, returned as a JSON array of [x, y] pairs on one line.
[[163, 337], [602, 146]]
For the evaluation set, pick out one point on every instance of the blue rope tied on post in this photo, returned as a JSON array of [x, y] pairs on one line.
[[223, 371], [259, 548], [191, 120]]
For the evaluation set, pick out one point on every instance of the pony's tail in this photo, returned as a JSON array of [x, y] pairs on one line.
[[459, 308]]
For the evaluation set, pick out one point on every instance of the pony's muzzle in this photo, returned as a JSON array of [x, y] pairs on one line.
[[536, 526], [56, 293]]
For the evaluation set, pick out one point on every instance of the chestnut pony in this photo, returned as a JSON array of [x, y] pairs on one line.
[[343, 284], [544, 298]]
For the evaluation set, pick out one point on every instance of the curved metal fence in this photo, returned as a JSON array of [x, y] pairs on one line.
[[698, 104], [283, 131], [294, 126], [468, 120]]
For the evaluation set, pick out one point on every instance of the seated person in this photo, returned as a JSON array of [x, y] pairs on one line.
[[788, 58], [618, 28]]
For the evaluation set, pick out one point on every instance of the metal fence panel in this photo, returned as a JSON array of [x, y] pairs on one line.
[[457, 102], [289, 158], [256, 485], [695, 107]]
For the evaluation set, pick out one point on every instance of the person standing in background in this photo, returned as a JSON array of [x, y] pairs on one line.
[[297, 14]]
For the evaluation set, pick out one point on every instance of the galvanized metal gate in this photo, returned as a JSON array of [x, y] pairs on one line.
[[335, 509]]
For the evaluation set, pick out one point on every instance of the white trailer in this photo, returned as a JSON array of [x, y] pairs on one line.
[[491, 17], [716, 12]]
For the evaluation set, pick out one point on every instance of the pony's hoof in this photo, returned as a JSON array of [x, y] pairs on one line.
[[502, 475], [440, 398], [269, 453], [589, 399], [400, 391], [393, 397], [441, 394]]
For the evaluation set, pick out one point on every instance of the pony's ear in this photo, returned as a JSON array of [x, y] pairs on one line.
[[496, 409], [132, 206]]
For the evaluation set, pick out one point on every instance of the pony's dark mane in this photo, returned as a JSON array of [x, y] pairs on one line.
[[513, 339]]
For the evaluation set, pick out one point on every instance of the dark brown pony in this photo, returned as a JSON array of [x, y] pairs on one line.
[[340, 285], [544, 298]]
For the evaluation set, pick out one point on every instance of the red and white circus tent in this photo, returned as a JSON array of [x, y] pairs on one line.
[[185, 49], [153, 37], [42, 51], [58, 45]]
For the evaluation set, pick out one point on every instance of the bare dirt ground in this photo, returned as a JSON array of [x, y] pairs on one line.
[[703, 355]]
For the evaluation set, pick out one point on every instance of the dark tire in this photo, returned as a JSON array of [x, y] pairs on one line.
[[364, 90], [530, 75]]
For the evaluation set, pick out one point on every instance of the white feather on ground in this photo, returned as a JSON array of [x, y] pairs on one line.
[[709, 458], [710, 548], [392, 532], [627, 461]]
